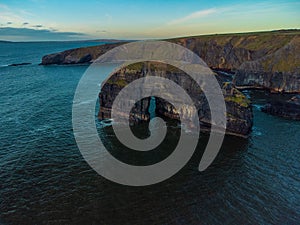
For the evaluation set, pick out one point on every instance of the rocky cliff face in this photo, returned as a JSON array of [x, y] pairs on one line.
[[78, 55], [239, 111], [114, 85], [278, 71], [230, 51], [267, 60]]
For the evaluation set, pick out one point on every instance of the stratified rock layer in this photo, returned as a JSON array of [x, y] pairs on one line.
[[278, 71], [78, 55], [239, 111], [269, 60]]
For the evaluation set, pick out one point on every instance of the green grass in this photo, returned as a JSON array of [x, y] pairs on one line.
[[118, 82], [136, 66], [240, 99], [267, 42], [257, 41], [288, 61], [291, 32]]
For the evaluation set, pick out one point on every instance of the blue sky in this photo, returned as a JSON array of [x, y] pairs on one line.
[[66, 20]]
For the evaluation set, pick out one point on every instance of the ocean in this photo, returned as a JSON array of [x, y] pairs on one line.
[[45, 180]]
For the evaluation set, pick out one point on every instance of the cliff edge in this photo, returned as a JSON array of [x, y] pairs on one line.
[[269, 60]]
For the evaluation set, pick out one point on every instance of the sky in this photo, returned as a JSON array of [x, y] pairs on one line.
[[42, 20]]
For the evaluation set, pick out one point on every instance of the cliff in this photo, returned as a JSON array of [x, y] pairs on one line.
[[269, 60], [278, 71], [239, 111], [78, 55]]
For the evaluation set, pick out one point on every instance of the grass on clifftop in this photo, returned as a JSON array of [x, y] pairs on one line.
[[291, 32], [152, 66], [239, 98], [135, 66], [256, 41], [118, 82]]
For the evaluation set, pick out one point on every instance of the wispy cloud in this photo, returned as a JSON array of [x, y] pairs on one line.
[[194, 15], [240, 10], [10, 16], [2, 6], [7, 16]]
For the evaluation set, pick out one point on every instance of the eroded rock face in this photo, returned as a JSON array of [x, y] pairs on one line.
[[112, 88], [239, 110], [288, 109], [277, 72], [78, 55], [268, 60], [219, 52]]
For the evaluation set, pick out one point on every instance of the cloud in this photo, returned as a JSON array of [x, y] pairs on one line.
[[240, 10], [38, 26], [24, 34], [194, 15], [9, 16]]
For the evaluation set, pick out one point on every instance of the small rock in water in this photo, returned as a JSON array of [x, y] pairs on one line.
[[289, 109], [19, 64]]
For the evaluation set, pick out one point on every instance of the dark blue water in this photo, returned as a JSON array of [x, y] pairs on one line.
[[44, 179]]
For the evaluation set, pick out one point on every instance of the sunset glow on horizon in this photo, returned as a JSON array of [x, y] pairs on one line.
[[32, 20]]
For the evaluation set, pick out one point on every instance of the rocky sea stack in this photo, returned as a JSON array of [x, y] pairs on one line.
[[239, 110]]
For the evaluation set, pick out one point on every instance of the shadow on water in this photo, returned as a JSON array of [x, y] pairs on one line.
[[187, 197], [84, 197]]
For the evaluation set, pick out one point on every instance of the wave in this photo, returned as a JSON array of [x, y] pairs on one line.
[[257, 106]]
